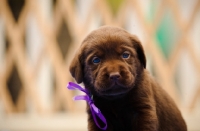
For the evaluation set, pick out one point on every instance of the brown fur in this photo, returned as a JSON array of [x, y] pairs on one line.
[[122, 88]]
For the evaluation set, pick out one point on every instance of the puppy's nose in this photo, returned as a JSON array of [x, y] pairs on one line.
[[114, 76]]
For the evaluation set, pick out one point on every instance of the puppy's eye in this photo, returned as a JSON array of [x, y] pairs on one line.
[[96, 60], [126, 55]]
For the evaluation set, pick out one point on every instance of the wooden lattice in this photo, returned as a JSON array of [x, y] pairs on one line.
[[64, 10]]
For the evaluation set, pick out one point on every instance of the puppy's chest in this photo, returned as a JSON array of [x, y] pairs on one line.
[[122, 120]]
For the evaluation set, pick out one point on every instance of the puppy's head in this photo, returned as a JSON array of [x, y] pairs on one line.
[[109, 62]]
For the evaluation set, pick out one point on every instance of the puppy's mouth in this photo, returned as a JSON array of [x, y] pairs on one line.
[[114, 91]]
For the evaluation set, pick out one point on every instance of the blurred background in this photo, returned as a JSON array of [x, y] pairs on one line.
[[38, 39]]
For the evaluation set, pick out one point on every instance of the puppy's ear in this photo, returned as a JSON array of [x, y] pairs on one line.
[[76, 67], [139, 49]]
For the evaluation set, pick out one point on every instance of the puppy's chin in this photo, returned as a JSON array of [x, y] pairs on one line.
[[114, 91]]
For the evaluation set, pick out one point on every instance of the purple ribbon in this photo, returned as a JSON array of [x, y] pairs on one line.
[[95, 111]]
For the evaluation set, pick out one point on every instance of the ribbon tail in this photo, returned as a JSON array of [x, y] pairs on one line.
[[81, 97], [73, 86], [97, 113]]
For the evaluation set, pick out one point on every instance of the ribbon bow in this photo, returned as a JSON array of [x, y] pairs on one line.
[[94, 110]]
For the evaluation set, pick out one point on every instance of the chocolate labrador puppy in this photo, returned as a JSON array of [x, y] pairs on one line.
[[111, 64]]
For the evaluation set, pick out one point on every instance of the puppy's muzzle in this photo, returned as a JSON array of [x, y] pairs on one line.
[[114, 79]]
